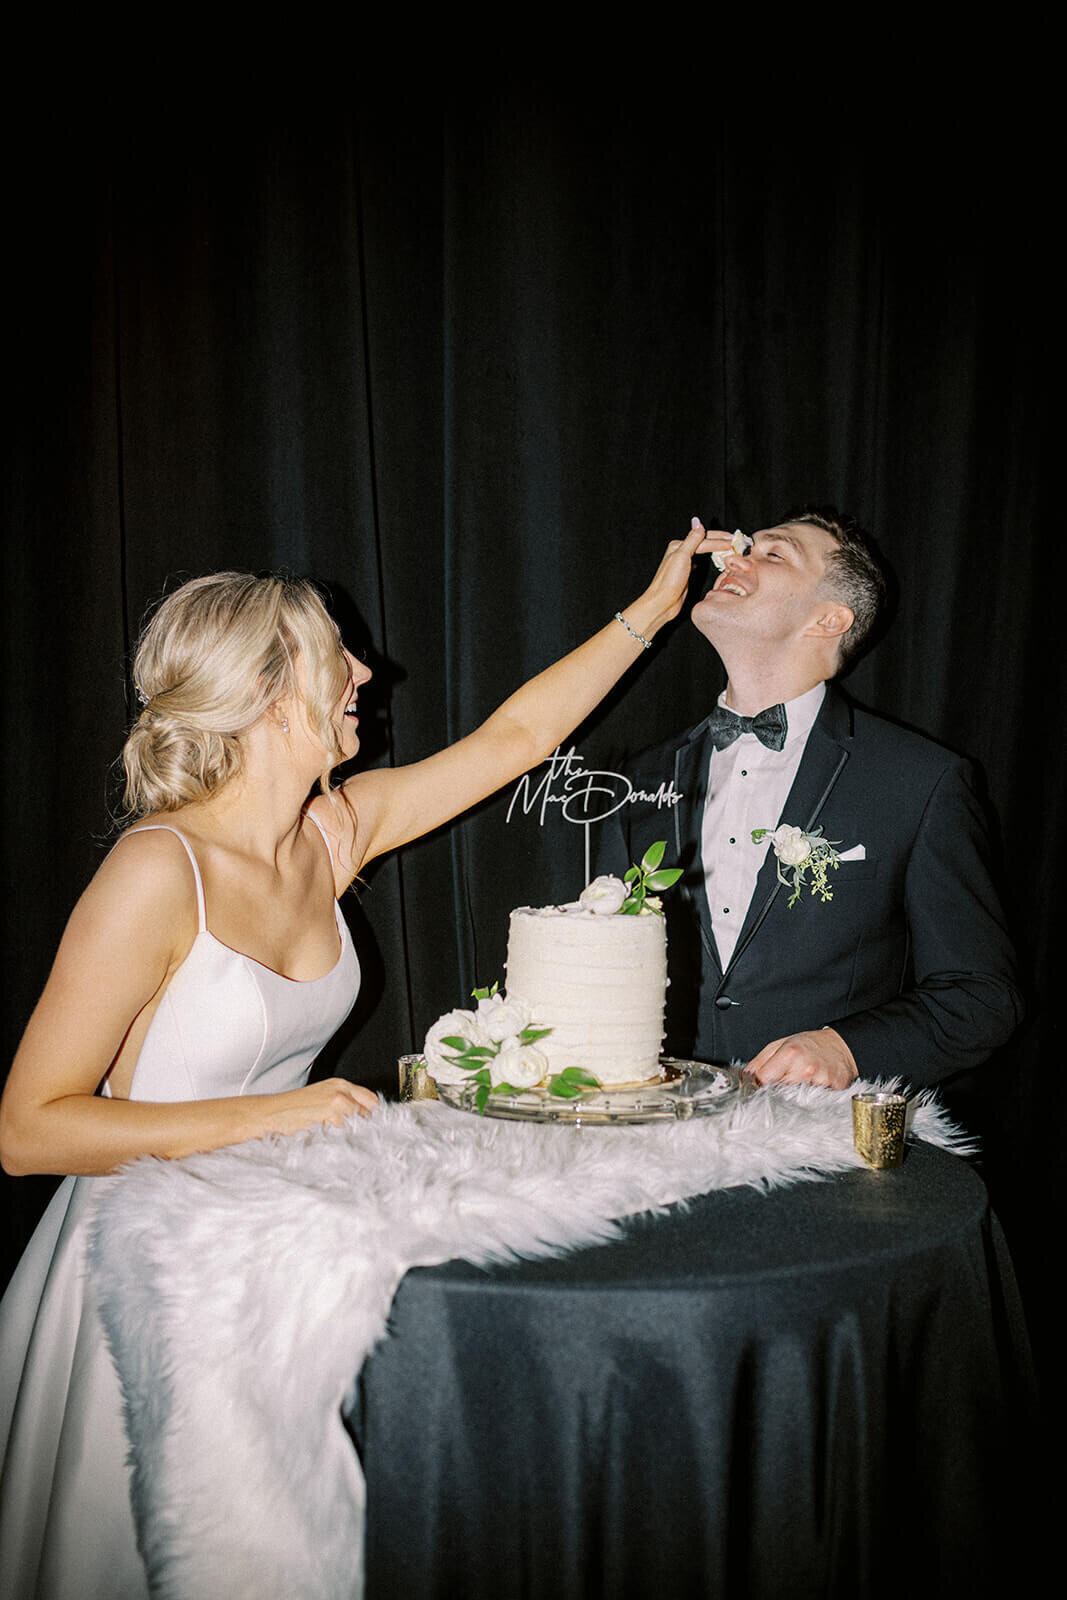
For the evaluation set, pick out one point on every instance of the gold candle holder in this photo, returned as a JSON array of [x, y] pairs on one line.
[[878, 1128], [414, 1081]]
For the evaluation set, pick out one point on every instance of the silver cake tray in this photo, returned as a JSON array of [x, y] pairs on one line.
[[682, 1090]]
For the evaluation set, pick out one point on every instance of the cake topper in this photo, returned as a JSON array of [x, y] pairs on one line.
[[582, 795]]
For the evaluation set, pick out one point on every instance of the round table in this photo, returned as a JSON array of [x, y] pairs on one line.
[[820, 1391]]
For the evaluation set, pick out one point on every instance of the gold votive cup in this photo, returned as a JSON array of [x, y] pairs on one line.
[[878, 1128], [414, 1081]]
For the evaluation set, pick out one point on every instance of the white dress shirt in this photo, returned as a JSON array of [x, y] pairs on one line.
[[747, 787]]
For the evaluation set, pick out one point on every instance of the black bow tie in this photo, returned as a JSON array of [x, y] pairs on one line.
[[770, 727]]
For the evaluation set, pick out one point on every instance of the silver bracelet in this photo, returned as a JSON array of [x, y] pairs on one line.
[[633, 631]]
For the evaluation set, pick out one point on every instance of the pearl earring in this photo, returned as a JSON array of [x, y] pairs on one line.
[[285, 724]]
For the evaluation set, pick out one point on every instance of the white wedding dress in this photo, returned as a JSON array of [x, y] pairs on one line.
[[225, 1026]]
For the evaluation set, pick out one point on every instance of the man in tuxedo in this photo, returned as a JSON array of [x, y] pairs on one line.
[[907, 970]]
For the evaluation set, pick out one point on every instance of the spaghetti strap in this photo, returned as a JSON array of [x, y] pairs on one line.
[[325, 836], [163, 827]]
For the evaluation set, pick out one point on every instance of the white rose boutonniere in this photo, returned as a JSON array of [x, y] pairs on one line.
[[791, 845], [802, 853]]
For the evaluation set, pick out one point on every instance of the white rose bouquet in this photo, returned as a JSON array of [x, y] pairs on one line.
[[494, 1047], [801, 852]]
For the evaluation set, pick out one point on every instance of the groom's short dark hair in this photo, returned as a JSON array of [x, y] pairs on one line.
[[854, 575]]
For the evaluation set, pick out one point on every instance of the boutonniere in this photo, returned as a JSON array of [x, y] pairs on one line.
[[801, 852]]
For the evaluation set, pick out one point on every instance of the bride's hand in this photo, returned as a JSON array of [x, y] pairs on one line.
[[332, 1101], [666, 593]]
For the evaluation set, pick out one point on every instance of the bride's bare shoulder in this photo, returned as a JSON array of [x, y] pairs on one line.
[[147, 873]]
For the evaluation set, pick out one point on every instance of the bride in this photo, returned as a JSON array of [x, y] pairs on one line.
[[201, 971]]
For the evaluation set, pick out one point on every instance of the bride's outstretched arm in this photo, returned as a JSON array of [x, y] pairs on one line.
[[130, 930], [393, 805]]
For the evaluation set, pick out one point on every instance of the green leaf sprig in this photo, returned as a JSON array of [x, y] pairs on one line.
[[646, 880]]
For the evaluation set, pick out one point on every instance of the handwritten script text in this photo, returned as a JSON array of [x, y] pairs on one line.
[[582, 794]]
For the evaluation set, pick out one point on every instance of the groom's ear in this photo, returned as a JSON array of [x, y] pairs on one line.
[[832, 620]]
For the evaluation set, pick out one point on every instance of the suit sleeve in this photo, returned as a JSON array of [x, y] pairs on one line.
[[959, 1000]]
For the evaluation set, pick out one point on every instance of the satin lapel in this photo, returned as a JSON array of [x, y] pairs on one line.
[[691, 781], [823, 762]]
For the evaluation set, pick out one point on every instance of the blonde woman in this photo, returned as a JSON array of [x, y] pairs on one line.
[[202, 970]]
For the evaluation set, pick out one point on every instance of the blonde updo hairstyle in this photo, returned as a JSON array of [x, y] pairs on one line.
[[217, 654]]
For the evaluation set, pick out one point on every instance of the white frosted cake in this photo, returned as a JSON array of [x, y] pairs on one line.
[[584, 1004], [597, 981]]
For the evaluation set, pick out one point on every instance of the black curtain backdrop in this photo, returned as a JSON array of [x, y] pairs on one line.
[[470, 362]]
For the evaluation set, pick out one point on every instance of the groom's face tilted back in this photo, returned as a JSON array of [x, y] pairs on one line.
[[779, 600]]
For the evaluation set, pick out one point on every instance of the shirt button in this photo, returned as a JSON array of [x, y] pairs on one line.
[[733, 841], [744, 772], [726, 911]]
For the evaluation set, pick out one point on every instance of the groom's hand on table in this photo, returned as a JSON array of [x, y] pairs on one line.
[[820, 1057]]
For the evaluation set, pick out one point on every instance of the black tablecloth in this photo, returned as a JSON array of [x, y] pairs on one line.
[[823, 1391]]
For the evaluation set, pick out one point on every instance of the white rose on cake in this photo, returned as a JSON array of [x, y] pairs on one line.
[[604, 895], [791, 845], [519, 1065], [440, 1059], [503, 1019]]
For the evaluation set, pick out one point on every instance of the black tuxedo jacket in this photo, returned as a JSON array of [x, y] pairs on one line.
[[910, 961]]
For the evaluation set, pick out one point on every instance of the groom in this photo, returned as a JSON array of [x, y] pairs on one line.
[[907, 970]]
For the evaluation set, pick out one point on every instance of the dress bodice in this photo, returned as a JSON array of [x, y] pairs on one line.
[[227, 1025]]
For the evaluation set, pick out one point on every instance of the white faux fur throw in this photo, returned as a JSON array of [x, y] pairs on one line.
[[242, 1290]]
